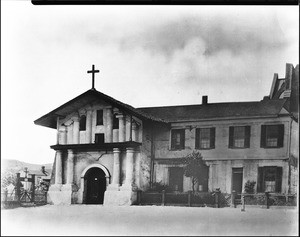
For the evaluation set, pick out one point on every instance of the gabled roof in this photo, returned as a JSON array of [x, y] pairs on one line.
[[49, 120], [264, 108]]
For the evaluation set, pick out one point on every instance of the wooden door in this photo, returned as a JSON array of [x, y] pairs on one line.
[[237, 180], [96, 186], [176, 178]]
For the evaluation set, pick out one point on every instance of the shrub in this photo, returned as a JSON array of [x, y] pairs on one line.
[[158, 187], [249, 186]]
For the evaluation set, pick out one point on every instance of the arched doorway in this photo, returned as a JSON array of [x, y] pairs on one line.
[[95, 183]]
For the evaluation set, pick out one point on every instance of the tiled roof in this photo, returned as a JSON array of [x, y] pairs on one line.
[[216, 110], [169, 113]]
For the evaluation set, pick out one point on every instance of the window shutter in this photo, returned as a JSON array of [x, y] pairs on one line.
[[247, 136], [263, 136], [278, 179], [182, 139], [260, 179], [212, 137], [231, 137], [197, 139], [280, 134]]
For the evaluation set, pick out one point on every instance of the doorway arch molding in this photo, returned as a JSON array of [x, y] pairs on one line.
[[105, 170]]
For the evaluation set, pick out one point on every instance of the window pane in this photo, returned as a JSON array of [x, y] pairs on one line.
[[269, 186], [272, 141], [272, 131], [239, 137], [239, 132], [272, 135], [270, 179], [239, 143], [177, 141], [205, 138]]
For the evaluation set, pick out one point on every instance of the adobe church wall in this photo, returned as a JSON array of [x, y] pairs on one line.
[[144, 171], [84, 159]]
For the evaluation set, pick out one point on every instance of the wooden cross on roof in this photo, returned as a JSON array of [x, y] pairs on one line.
[[93, 71]]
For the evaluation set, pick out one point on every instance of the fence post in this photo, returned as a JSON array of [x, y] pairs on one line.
[[32, 187], [217, 197], [243, 201], [233, 196], [189, 198], [163, 197], [267, 199], [18, 187]]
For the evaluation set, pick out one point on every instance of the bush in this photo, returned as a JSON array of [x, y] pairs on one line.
[[158, 187], [249, 186]]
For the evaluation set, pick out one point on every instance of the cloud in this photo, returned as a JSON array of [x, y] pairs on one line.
[[235, 33]]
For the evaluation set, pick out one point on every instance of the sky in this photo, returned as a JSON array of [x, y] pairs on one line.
[[147, 56]]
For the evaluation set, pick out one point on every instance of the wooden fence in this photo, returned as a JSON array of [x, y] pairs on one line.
[[15, 199], [215, 199]]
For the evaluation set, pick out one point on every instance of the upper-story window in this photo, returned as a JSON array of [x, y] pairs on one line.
[[99, 117], [205, 138], [99, 138], [115, 122], [82, 123], [272, 135], [177, 139], [239, 136]]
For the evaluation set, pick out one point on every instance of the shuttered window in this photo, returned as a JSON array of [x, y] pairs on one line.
[[272, 136], [239, 136], [205, 138], [269, 179], [177, 139]]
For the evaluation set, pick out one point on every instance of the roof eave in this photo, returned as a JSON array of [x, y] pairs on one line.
[[42, 121]]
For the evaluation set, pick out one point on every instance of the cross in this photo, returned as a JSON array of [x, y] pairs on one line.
[[93, 71]]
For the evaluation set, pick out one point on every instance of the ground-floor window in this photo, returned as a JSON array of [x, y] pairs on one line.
[[269, 179]]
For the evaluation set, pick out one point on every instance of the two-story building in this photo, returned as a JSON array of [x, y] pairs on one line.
[[107, 150]]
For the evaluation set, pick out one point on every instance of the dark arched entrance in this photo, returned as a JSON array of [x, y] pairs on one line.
[[95, 181]]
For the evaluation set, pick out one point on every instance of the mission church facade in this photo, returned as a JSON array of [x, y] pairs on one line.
[[107, 150]]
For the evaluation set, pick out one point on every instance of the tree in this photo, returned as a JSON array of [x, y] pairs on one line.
[[8, 178], [195, 168]]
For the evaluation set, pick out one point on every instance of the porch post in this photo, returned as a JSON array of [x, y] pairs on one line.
[[58, 168], [89, 118], [122, 131], [70, 167], [129, 182]]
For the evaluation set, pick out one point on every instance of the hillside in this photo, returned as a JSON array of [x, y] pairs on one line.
[[16, 166]]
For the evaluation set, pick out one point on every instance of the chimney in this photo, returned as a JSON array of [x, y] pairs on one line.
[[204, 99], [288, 76]]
